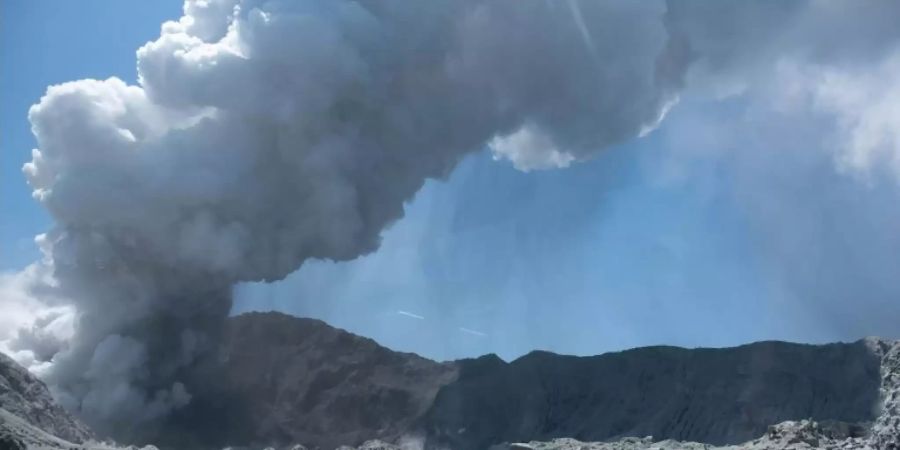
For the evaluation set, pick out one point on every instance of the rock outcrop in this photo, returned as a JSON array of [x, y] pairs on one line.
[[23, 395], [885, 432], [31, 420]]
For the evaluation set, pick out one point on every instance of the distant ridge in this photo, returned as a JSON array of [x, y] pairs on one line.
[[282, 381], [322, 386]]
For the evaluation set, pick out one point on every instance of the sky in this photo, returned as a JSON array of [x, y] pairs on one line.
[[732, 221]]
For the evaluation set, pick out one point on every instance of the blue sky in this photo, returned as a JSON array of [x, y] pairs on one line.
[[681, 237]]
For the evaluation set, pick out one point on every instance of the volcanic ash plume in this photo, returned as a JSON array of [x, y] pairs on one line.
[[262, 134]]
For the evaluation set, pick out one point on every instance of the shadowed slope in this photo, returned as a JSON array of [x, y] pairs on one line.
[[281, 380], [715, 396]]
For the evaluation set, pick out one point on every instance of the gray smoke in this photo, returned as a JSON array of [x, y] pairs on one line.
[[263, 134], [266, 133]]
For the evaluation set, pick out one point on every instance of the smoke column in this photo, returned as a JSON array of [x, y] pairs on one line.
[[262, 134], [265, 133]]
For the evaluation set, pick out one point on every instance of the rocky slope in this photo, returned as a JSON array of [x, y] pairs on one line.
[[301, 380], [716, 396], [885, 432], [284, 381], [30, 418], [789, 435], [18, 434], [23, 395]]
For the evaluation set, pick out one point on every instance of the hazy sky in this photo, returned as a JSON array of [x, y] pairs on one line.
[[733, 221]]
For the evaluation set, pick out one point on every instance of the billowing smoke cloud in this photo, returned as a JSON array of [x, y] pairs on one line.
[[733, 46], [831, 61], [263, 134], [266, 133]]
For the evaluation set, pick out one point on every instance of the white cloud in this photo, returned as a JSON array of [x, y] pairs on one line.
[[32, 331], [528, 149]]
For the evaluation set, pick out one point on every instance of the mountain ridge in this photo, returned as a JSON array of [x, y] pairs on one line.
[[284, 380]]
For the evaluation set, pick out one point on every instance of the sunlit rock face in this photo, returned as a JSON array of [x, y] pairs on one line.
[[23, 395]]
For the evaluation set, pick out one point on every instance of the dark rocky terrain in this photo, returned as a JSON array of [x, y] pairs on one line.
[[301, 380], [716, 396], [285, 381]]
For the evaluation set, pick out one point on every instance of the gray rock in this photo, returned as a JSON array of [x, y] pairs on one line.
[[18, 434], [303, 381], [790, 435], [287, 380], [717, 396], [886, 429], [25, 396]]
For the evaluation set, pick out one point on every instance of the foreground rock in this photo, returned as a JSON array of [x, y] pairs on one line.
[[31, 419], [23, 395], [886, 429], [789, 435], [17, 434]]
